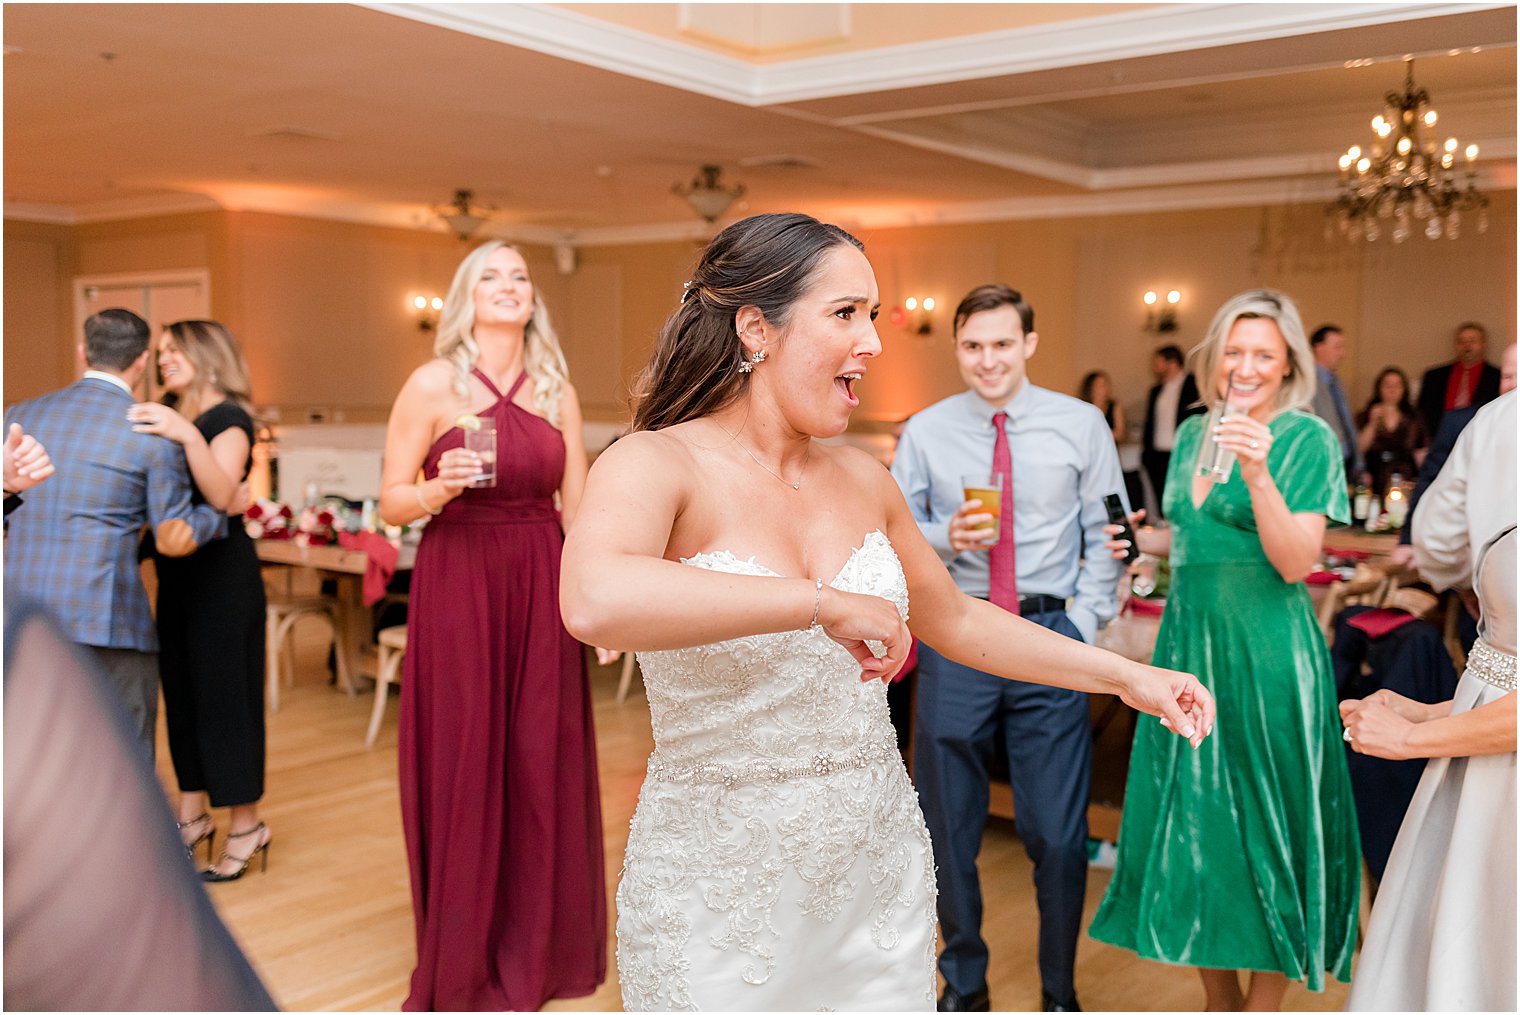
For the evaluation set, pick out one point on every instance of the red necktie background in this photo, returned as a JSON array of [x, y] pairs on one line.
[[1004, 588]]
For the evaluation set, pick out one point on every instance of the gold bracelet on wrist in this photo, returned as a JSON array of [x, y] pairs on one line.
[[421, 500]]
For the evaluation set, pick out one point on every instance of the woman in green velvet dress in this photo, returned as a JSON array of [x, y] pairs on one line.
[[1243, 855]]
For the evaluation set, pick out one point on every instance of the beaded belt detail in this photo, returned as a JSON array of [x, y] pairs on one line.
[[755, 772], [1491, 666]]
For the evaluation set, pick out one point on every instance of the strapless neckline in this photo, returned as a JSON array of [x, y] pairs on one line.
[[874, 537]]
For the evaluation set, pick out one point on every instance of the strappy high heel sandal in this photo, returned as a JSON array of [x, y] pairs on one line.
[[261, 851], [208, 836]]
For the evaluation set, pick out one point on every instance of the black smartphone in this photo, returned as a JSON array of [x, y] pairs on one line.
[[1116, 516]]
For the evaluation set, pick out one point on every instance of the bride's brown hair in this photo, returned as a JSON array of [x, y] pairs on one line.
[[764, 261]]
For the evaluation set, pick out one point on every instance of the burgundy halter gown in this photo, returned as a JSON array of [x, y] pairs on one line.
[[498, 758]]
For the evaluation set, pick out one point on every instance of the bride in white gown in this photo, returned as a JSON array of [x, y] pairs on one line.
[[778, 859]]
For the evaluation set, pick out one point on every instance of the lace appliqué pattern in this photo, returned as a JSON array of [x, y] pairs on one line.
[[775, 805]]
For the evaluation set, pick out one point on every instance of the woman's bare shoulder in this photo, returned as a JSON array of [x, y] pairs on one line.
[[432, 382], [648, 449]]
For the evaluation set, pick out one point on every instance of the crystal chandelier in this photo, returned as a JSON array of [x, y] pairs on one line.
[[1407, 177]]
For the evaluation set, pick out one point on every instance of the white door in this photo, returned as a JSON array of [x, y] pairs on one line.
[[160, 298]]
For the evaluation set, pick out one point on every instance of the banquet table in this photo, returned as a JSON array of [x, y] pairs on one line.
[[353, 638], [1377, 545]]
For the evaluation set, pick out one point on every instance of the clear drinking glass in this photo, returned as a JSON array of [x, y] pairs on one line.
[[986, 487], [482, 441], [1142, 580], [1214, 462]]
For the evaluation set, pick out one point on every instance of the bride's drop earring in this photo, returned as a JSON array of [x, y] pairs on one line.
[[747, 365]]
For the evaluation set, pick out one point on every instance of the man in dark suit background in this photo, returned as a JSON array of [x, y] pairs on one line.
[[1466, 381], [74, 547], [1173, 399]]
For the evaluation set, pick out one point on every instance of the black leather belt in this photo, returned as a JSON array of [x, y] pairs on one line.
[[1041, 604]]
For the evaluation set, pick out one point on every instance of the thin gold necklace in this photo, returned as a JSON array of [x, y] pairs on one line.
[[807, 456]]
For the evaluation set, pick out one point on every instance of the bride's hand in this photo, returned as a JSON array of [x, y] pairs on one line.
[[1185, 706], [852, 620], [154, 417]]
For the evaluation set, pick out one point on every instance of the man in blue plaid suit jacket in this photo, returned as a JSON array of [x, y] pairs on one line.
[[73, 546]]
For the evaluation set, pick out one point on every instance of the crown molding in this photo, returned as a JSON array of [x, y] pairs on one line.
[[1137, 201], [1126, 35], [114, 210], [34, 211], [1172, 28], [583, 39]]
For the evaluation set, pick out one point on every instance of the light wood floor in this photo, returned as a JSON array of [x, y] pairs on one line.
[[329, 926]]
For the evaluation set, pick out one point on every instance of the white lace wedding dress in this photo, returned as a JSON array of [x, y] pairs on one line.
[[778, 859]]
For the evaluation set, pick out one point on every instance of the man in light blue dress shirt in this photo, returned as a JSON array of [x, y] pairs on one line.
[[1063, 463]]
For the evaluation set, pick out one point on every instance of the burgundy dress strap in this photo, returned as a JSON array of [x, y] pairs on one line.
[[480, 374], [492, 388]]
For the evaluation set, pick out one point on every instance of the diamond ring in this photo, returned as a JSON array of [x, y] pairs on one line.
[[1346, 734], [1255, 445]]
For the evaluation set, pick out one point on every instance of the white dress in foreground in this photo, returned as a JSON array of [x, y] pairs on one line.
[[1442, 935], [778, 859]]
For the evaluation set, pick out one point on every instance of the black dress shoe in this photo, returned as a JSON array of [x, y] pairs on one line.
[[1048, 1003], [952, 1000]]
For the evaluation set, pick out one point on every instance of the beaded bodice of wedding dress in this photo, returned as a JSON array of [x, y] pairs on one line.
[[778, 859]]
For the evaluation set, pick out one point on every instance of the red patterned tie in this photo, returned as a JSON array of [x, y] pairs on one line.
[[1004, 586]]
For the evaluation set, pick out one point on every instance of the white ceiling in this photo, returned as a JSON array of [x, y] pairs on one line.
[[575, 126]]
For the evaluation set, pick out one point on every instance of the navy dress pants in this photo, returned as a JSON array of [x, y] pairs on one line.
[[1048, 735]]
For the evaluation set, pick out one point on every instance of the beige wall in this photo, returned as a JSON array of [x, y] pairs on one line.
[[39, 350], [323, 307]]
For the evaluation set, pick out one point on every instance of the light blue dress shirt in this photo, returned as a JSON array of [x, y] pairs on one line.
[[1064, 462]]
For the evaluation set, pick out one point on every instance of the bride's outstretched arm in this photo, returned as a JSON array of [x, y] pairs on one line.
[[617, 589], [976, 633]]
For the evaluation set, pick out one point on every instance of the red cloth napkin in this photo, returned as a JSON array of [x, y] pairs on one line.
[[1379, 622], [1322, 578], [1147, 607], [1331, 551], [381, 565]]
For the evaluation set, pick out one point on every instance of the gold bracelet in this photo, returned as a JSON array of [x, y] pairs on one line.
[[424, 503], [817, 602]]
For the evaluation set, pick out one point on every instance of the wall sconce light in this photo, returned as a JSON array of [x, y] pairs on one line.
[[1161, 317], [916, 314], [426, 309]]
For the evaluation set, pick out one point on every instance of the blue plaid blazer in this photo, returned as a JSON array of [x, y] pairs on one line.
[[73, 544]]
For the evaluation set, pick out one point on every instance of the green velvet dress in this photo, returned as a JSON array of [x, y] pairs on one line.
[[1242, 854]]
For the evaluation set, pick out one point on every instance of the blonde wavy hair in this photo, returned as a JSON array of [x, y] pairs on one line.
[[1297, 391], [219, 366], [543, 359]]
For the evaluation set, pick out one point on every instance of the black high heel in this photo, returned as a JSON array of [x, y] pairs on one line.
[[261, 851], [208, 836]]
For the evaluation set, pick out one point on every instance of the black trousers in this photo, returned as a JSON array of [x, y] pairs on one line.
[[1155, 464], [1048, 736]]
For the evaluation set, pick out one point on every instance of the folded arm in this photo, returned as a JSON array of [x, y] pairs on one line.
[[617, 588], [179, 527]]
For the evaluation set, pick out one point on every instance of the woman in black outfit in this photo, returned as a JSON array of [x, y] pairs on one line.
[[1390, 433], [211, 603]]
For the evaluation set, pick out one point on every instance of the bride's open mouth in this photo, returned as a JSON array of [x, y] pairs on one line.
[[846, 385]]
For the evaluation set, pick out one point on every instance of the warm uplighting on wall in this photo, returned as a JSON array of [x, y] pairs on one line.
[[426, 308], [1161, 311]]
